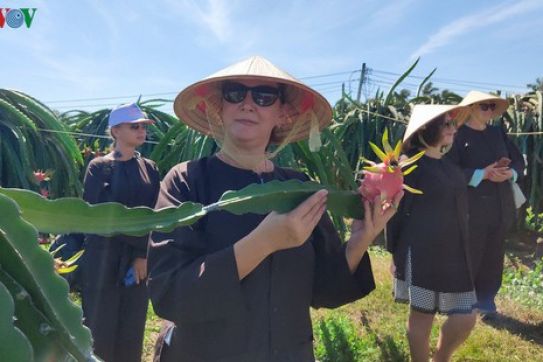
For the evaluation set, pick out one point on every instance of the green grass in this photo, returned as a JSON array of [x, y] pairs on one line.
[[523, 284], [152, 328], [373, 329]]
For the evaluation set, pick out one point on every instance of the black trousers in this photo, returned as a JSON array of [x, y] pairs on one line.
[[116, 317], [487, 236]]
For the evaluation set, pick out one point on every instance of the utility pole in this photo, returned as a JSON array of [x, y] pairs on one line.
[[362, 78]]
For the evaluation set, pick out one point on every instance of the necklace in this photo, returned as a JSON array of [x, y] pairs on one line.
[[118, 155]]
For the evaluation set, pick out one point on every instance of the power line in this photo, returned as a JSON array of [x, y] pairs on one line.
[[414, 87], [330, 88], [81, 134], [452, 81], [391, 82], [108, 98], [459, 88], [329, 75], [86, 134], [461, 85], [321, 87], [175, 92], [74, 107], [335, 84]]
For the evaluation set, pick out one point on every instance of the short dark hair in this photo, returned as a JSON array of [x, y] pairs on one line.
[[431, 134]]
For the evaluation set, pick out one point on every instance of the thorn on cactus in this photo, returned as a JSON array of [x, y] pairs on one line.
[[386, 178], [22, 295], [45, 329]]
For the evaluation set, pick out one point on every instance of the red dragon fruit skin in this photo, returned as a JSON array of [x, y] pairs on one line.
[[386, 184], [386, 179]]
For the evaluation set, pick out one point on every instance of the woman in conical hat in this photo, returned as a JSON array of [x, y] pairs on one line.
[[239, 288], [303, 112], [428, 237], [491, 162]]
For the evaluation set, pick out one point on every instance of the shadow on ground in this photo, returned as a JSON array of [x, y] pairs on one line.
[[527, 331]]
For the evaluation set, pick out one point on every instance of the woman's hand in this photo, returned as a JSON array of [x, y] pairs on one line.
[[501, 174], [285, 231], [376, 217], [364, 232], [278, 232], [392, 268], [140, 269], [495, 173], [490, 171]]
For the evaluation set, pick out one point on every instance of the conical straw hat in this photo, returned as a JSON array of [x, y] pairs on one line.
[[423, 114], [474, 97], [199, 104]]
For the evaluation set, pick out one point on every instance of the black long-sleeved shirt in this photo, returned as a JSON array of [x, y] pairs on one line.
[[434, 226], [264, 317], [134, 182], [475, 149]]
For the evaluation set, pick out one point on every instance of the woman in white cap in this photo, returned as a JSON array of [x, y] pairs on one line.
[[428, 238], [114, 269], [490, 162], [239, 288]]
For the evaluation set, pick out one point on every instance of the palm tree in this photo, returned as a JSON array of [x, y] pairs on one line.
[[537, 86], [429, 89]]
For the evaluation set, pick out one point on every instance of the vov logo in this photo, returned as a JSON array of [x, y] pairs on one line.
[[15, 18]]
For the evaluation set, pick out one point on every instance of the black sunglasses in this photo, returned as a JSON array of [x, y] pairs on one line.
[[486, 106], [136, 126], [263, 95], [451, 123]]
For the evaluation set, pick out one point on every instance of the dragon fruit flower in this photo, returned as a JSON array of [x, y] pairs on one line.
[[385, 179], [41, 176]]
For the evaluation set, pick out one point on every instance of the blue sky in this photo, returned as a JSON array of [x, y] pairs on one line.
[[81, 50]]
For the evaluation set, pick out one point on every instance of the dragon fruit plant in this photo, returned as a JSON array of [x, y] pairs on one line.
[[386, 178]]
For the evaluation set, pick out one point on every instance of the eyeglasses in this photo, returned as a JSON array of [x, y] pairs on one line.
[[486, 106], [263, 95], [137, 126], [450, 123]]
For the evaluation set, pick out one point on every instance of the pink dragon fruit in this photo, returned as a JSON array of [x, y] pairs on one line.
[[386, 178]]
